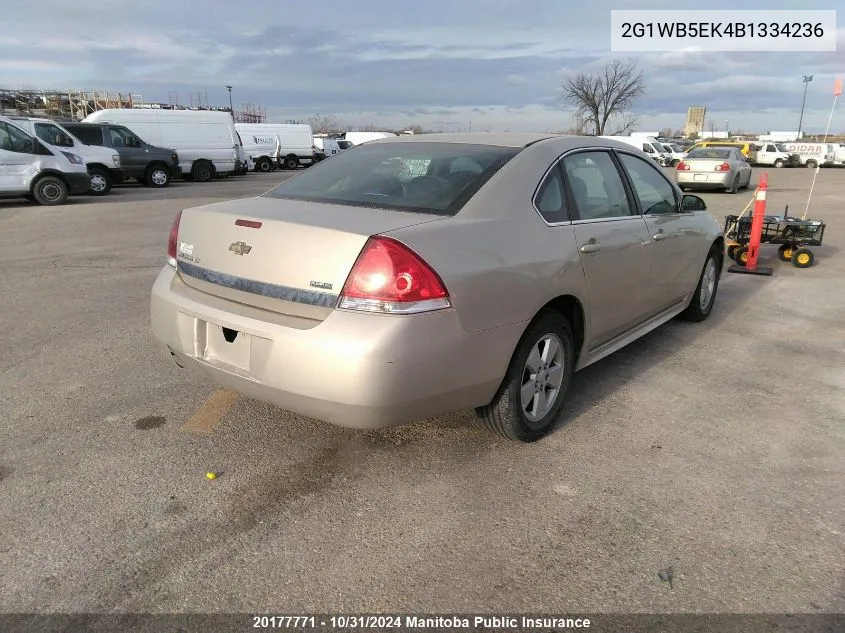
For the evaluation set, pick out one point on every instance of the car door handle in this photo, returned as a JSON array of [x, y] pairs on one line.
[[659, 237], [590, 247]]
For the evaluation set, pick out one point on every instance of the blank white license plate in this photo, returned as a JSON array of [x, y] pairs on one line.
[[227, 346], [700, 176]]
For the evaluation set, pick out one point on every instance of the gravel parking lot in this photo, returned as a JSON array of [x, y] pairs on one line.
[[715, 449]]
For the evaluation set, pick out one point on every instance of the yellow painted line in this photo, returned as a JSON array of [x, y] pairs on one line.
[[211, 412]]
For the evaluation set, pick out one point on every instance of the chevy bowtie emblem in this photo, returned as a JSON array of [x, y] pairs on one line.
[[240, 248]]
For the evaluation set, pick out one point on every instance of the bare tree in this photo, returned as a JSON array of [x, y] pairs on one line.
[[606, 95], [323, 124]]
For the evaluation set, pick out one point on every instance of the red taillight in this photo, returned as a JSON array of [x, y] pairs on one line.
[[723, 167], [682, 166], [173, 242], [389, 277]]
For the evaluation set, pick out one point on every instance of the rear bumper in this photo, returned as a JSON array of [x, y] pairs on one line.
[[718, 179], [77, 183], [354, 370], [117, 174]]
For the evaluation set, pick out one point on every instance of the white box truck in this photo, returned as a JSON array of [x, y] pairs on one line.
[[286, 145], [33, 170], [205, 140], [103, 163], [813, 154]]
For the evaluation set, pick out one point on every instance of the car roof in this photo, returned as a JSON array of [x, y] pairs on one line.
[[561, 142]]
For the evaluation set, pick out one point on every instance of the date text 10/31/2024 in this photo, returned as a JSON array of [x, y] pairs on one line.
[[413, 622]]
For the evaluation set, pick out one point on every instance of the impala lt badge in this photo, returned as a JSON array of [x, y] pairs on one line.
[[240, 248]]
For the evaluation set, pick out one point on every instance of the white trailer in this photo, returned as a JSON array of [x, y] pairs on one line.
[[287, 145], [205, 140]]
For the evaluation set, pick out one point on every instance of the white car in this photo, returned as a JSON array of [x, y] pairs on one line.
[[676, 154]]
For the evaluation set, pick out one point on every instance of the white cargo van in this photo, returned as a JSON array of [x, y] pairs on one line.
[[328, 147], [31, 169], [357, 138], [287, 145], [813, 154], [102, 163], [648, 144], [205, 140]]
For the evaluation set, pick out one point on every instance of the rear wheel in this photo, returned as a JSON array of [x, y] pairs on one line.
[[532, 394], [157, 176], [291, 162], [734, 185], [202, 171], [263, 164], [811, 164], [704, 296], [49, 191], [785, 252], [100, 181], [803, 258]]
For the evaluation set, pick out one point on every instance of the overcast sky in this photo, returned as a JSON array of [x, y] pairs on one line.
[[442, 64]]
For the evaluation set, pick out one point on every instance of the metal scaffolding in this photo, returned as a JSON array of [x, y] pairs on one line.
[[77, 104]]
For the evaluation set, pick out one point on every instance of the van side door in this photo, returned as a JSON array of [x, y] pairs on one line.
[[17, 162]]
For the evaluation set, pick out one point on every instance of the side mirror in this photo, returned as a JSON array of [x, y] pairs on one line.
[[693, 203]]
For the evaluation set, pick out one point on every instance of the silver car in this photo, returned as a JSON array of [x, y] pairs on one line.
[[418, 275], [714, 167]]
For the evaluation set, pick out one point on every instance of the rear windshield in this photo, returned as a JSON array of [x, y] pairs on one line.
[[436, 178], [710, 152]]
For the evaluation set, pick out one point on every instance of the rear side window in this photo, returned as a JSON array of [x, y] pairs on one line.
[[596, 186], [422, 177], [550, 200], [88, 135]]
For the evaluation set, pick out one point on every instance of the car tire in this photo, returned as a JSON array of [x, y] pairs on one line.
[[811, 164], [202, 171], [779, 163], [100, 181], [291, 162], [50, 191], [506, 415], [264, 165], [734, 188], [704, 296], [157, 176]]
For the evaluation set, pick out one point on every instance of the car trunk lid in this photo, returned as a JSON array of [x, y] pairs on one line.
[[287, 256]]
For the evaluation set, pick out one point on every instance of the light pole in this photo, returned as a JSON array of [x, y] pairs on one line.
[[231, 109], [807, 79]]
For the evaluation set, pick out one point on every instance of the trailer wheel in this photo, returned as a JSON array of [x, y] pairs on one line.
[[732, 251], [741, 255], [803, 258], [785, 252]]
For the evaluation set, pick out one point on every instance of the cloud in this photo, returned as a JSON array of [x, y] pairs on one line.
[[381, 60]]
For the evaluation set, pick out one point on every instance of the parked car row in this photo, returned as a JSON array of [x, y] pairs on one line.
[[47, 160]]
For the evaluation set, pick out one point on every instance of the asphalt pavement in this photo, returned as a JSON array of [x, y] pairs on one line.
[[714, 449]]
